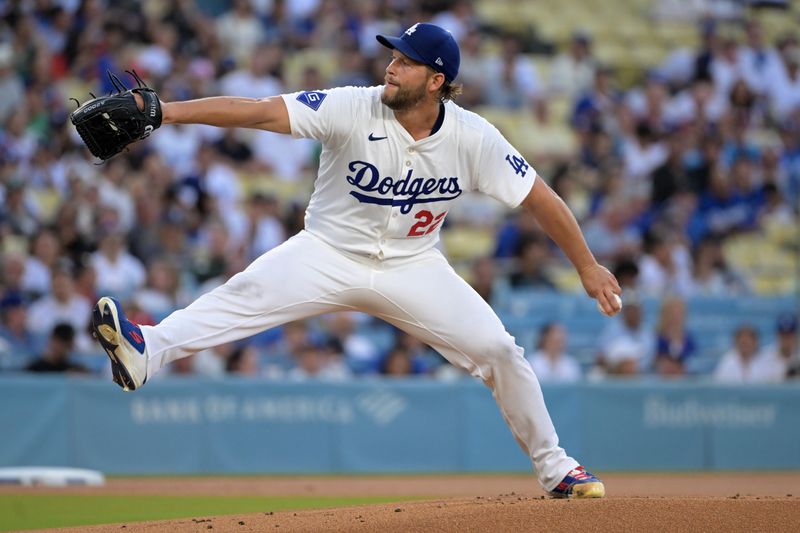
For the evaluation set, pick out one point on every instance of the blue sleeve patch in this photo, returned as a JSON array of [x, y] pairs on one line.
[[312, 99]]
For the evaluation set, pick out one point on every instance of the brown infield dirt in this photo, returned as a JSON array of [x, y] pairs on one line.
[[484, 503]]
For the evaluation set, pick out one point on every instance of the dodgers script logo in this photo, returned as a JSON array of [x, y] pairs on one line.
[[419, 190]]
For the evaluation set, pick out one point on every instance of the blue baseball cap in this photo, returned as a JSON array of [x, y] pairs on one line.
[[428, 44]]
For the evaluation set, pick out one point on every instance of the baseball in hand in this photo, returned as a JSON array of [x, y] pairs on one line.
[[619, 304]]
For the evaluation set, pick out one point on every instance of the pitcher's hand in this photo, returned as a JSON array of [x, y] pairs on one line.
[[601, 285]]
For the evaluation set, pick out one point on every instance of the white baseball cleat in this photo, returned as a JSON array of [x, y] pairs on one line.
[[122, 341]]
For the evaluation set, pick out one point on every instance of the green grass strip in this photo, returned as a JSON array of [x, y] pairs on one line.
[[38, 511]]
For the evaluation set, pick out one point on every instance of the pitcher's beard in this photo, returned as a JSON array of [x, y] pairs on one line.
[[404, 99]]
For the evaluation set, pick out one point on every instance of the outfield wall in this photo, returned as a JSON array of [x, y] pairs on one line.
[[241, 426]]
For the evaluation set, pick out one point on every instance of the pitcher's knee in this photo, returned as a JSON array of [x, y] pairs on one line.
[[500, 353]]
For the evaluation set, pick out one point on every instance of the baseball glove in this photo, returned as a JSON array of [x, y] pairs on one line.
[[110, 123]]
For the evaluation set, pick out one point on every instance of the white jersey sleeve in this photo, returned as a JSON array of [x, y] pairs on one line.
[[501, 171], [326, 116]]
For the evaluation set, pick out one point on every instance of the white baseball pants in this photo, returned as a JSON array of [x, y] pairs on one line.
[[423, 296]]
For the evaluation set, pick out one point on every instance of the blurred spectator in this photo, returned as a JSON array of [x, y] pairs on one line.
[[86, 281], [511, 80], [11, 86], [161, 295], [257, 77], [17, 211], [743, 104], [738, 144], [550, 362], [572, 71], [790, 161], [178, 146], [627, 273], [760, 63], [609, 234], [726, 68], [486, 282], [62, 306], [239, 31], [642, 153], [13, 272], [17, 344], [217, 190], [277, 357], [56, 354], [703, 161], [697, 104], [675, 345], [183, 367], [233, 148], [623, 358], [594, 108], [115, 195], [471, 71], [531, 266], [775, 209], [520, 226], [649, 104], [288, 158], [173, 245], [665, 268], [784, 89], [75, 243], [743, 364], [266, 230], [214, 361], [45, 251], [314, 363], [156, 59], [424, 359], [783, 356], [399, 363], [359, 351], [243, 361], [672, 176], [118, 272], [353, 69], [458, 19], [212, 257], [18, 142], [711, 275], [627, 344], [722, 210]]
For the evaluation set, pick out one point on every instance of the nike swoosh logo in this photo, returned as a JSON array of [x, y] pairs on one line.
[[373, 138]]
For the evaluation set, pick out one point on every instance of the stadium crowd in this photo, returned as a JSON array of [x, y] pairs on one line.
[[664, 173]]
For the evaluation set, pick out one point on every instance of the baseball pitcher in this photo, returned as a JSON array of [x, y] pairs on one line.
[[394, 159]]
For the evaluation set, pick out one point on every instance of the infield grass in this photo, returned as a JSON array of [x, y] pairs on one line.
[[38, 511]]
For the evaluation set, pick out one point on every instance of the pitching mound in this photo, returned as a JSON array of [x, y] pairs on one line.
[[655, 502]]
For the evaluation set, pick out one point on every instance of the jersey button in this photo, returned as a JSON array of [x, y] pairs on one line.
[[408, 163], [394, 215], [410, 150]]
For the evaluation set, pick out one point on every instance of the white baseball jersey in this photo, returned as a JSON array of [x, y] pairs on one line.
[[382, 194], [371, 227]]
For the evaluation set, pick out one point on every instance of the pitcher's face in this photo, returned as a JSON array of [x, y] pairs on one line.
[[406, 83]]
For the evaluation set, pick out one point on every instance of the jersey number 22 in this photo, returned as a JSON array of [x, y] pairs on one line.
[[427, 223]]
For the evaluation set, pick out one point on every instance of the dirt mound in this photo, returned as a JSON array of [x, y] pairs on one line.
[[724, 501], [507, 513]]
